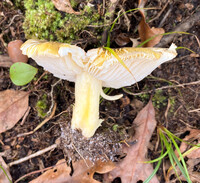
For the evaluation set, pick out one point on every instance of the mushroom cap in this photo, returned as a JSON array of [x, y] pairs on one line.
[[63, 60], [102, 64], [66, 61]]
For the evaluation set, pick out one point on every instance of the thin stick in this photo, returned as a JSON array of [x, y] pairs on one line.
[[33, 155], [51, 94], [40, 77], [195, 110], [41, 124], [38, 171], [183, 27], [80, 155], [164, 87]]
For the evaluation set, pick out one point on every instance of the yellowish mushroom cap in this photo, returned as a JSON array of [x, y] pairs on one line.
[[63, 60], [102, 64]]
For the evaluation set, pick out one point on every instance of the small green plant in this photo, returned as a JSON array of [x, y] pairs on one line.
[[168, 142], [41, 106], [159, 99], [21, 73]]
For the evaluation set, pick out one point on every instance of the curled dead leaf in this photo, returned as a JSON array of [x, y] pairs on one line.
[[145, 31], [131, 169], [122, 39], [82, 172], [65, 6], [13, 105], [193, 135]]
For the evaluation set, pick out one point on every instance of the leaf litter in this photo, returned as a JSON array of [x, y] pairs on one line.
[[13, 105], [81, 172], [4, 172], [145, 31], [65, 6], [132, 168]]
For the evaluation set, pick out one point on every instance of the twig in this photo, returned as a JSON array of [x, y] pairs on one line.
[[183, 27], [41, 124], [40, 77], [33, 155], [51, 94], [158, 15], [195, 110], [128, 23], [164, 87], [80, 155], [166, 112], [25, 116], [12, 20], [5, 61], [38, 171], [165, 17]]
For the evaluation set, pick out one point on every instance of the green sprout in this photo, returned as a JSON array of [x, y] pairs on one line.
[[168, 142]]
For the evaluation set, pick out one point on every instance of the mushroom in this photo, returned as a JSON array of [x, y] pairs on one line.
[[93, 70]]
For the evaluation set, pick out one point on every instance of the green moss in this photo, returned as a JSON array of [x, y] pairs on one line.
[[115, 127], [74, 3], [172, 104], [159, 100], [41, 106], [43, 21]]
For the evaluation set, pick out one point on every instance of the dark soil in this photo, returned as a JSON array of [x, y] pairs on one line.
[[185, 68]]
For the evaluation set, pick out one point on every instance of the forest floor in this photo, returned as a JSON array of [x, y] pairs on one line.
[[174, 88]]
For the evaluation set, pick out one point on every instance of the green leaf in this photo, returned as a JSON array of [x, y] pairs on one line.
[[21, 73]]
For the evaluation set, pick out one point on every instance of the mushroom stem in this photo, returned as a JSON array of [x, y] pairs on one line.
[[86, 109]]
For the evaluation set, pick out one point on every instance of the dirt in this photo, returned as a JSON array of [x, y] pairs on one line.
[[106, 144]]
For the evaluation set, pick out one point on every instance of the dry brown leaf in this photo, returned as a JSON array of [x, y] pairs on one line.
[[131, 169], [122, 39], [3, 178], [81, 173], [145, 31], [65, 6], [193, 157], [13, 105], [194, 135]]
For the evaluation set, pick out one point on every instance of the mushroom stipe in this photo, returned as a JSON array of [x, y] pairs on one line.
[[93, 70]]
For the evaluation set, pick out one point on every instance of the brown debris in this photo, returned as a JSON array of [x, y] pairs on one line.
[[5, 61], [15, 53], [132, 168], [82, 172], [13, 105], [145, 31], [64, 5]]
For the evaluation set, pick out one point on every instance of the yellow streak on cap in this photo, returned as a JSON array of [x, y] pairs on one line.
[[42, 48], [127, 53]]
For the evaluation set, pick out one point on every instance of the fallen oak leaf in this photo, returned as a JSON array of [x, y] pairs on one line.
[[5, 176], [13, 105], [194, 135], [145, 31], [131, 169], [65, 6], [81, 173]]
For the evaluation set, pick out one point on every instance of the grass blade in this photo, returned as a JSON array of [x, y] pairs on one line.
[[184, 167]]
